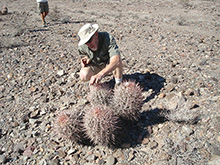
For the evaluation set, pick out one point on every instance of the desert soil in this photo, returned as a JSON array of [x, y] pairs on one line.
[[168, 46]]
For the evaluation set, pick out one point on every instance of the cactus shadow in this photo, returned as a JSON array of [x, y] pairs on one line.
[[135, 132]]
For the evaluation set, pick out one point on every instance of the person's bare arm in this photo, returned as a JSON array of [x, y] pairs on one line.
[[115, 61]]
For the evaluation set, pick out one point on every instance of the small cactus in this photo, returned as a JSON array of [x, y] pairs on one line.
[[127, 100], [99, 94], [68, 124], [102, 125]]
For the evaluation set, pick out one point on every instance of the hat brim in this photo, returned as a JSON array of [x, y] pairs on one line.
[[81, 42]]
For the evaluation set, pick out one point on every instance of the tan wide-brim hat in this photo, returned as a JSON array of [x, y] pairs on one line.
[[86, 32]]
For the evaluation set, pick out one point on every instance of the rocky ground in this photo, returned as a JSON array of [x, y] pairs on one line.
[[170, 47]]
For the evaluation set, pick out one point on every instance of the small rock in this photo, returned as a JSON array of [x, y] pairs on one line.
[[28, 151], [33, 121], [25, 118], [118, 153], [164, 156], [42, 162], [110, 160], [2, 159], [187, 131], [91, 157], [34, 114], [162, 95], [62, 154], [189, 92], [19, 148], [60, 73], [130, 156], [153, 145], [14, 124], [145, 141], [71, 151]]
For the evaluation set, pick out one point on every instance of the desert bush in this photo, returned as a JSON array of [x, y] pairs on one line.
[[181, 111]]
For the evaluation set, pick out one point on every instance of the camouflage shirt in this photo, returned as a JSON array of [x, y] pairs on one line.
[[107, 48]]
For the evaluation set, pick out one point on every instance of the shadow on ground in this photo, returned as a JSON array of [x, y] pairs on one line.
[[67, 21]]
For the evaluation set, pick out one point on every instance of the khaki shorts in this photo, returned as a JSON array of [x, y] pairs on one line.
[[43, 7], [96, 68]]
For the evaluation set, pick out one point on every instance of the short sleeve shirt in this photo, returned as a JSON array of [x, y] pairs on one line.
[[107, 48]]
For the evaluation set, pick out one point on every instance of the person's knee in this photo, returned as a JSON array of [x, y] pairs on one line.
[[84, 76]]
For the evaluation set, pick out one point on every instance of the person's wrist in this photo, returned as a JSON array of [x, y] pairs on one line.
[[101, 73]]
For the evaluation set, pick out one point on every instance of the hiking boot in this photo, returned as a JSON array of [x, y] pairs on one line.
[[44, 24]]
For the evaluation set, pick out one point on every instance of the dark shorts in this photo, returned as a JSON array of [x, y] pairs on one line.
[[43, 7]]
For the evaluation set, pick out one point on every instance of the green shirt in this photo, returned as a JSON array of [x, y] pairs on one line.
[[107, 48]]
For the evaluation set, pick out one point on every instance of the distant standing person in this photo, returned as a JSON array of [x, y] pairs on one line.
[[44, 10]]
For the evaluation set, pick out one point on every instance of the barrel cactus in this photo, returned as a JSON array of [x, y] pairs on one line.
[[99, 94], [101, 125], [127, 100], [69, 125]]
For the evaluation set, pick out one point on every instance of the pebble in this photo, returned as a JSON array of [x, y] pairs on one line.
[[2, 159], [110, 160], [62, 153], [60, 73], [145, 141], [153, 145]]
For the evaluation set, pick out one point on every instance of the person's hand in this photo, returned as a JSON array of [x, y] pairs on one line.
[[85, 61], [96, 79]]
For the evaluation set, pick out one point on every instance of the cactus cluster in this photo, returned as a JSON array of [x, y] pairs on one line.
[[101, 121]]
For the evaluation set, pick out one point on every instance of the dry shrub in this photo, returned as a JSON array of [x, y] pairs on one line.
[[181, 110]]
